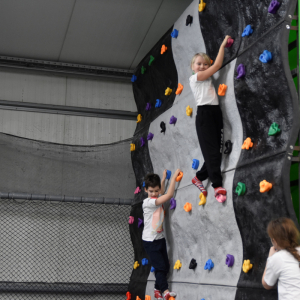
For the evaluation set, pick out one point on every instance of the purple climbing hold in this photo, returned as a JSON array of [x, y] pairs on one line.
[[241, 71], [142, 141], [173, 120], [148, 106], [229, 260], [150, 136], [140, 222], [273, 7], [172, 203]]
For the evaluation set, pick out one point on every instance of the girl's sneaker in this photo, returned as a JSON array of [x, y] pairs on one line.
[[220, 194], [158, 295], [198, 183], [169, 295]]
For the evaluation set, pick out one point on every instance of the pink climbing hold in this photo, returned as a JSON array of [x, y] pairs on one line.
[[131, 220], [137, 190], [229, 43]]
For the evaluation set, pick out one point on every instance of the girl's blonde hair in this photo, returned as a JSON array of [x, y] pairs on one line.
[[203, 55]]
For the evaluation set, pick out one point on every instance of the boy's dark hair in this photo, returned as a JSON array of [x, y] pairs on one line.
[[152, 180]]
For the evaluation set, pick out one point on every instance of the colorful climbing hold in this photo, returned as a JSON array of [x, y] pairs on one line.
[[193, 264], [247, 266], [152, 269], [174, 33], [158, 103], [148, 106], [163, 49], [151, 60], [273, 7], [147, 297], [229, 260], [240, 189], [177, 265], [241, 71], [266, 56], [247, 144], [265, 186], [139, 118], [132, 147], [144, 184], [179, 89], [179, 177], [229, 43], [247, 31], [187, 207], [136, 265], [142, 141], [168, 91], [202, 198], [195, 164], [189, 20], [222, 89], [150, 136], [169, 173], [143, 70], [228, 147], [163, 126], [128, 296], [144, 261], [274, 129], [188, 111], [211, 61], [131, 220], [209, 265], [202, 6], [173, 120], [137, 190], [138, 298], [133, 78], [140, 222], [172, 203]]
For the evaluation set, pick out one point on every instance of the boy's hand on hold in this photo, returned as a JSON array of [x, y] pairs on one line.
[[225, 40], [164, 174], [176, 173]]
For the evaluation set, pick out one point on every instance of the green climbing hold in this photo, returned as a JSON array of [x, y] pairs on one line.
[[143, 69], [151, 60], [274, 129], [240, 189]]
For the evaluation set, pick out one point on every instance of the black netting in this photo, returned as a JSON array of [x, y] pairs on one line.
[[58, 250]]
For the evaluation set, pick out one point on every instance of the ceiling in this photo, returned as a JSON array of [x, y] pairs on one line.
[[108, 33]]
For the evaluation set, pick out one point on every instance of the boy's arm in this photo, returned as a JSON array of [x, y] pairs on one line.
[[170, 192], [203, 75], [162, 190]]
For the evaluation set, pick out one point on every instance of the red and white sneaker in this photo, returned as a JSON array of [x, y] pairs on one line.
[[168, 295], [198, 183], [158, 295], [220, 194]]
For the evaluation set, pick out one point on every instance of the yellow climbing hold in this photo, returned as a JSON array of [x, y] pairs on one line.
[[168, 91], [202, 199], [132, 147], [188, 110], [202, 6], [178, 265], [139, 118], [136, 265], [247, 266]]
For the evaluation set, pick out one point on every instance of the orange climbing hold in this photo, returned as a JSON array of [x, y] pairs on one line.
[[247, 144], [138, 298], [211, 61], [147, 297], [171, 298], [179, 177], [222, 89], [265, 186], [163, 49], [179, 89], [187, 207], [202, 6]]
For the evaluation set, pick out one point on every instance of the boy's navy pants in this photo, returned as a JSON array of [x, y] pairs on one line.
[[209, 127], [158, 256]]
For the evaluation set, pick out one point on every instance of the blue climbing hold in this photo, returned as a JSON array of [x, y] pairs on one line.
[[158, 103], [152, 269], [266, 56], [247, 31], [144, 184], [144, 261], [209, 265], [195, 164], [133, 78], [169, 173], [174, 33]]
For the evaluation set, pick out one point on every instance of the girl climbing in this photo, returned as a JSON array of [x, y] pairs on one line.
[[209, 121], [283, 263]]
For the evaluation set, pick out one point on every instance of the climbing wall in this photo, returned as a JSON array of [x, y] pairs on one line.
[[266, 94]]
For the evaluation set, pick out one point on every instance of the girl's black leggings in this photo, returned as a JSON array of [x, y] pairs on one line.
[[209, 127]]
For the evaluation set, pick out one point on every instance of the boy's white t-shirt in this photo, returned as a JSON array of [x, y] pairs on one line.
[[282, 266], [153, 220], [204, 91]]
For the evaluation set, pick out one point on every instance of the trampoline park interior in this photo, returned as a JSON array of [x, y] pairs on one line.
[[94, 95]]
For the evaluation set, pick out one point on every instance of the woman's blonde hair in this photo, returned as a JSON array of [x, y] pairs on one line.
[[203, 55]]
